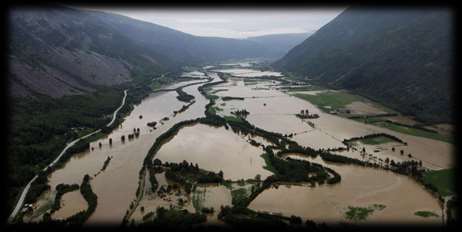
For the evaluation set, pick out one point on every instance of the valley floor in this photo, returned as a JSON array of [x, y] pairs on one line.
[[245, 146]]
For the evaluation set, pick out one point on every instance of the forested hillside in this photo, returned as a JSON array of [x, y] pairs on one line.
[[402, 58]]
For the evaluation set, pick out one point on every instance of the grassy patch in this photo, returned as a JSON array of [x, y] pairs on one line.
[[413, 131], [302, 88], [332, 99], [377, 140], [442, 180], [426, 214], [241, 191], [155, 85], [369, 119], [361, 213]]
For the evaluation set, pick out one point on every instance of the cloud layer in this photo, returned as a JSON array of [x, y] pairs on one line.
[[234, 23]]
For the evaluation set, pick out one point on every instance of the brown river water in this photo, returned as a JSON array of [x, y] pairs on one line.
[[215, 149], [218, 149], [116, 186], [275, 111], [360, 187]]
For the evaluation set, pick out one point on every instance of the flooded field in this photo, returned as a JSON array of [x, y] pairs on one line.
[[71, 203], [360, 187], [215, 149], [244, 72], [211, 196], [152, 200], [219, 149], [116, 186], [274, 110], [194, 74], [240, 64], [204, 195]]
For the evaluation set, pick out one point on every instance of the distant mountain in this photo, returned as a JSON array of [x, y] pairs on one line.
[[402, 58], [60, 51], [279, 44]]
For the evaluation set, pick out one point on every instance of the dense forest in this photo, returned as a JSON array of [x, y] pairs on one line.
[[401, 58]]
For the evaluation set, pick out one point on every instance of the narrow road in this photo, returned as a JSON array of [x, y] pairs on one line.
[[444, 216], [117, 110], [69, 145]]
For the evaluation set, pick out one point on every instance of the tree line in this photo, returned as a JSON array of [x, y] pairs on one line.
[[82, 216]]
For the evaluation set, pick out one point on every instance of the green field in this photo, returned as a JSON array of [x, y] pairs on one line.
[[302, 88], [155, 85], [377, 140], [335, 100], [369, 119], [443, 180], [413, 131]]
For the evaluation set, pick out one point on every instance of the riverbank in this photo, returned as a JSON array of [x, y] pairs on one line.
[[161, 107], [49, 168], [91, 106], [241, 126], [128, 188], [41, 128]]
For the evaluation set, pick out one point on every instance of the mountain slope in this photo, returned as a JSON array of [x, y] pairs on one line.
[[63, 51], [402, 58], [279, 44]]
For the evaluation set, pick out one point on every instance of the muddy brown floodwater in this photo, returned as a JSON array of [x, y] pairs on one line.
[[213, 196], [215, 149], [204, 195], [244, 72], [71, 203], [218, 149], [360, 187], [274, 110], [116, 186]]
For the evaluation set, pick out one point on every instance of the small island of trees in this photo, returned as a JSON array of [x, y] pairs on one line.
[[304, 114]]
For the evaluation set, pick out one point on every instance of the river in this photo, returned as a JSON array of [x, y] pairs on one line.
[[218, 149]]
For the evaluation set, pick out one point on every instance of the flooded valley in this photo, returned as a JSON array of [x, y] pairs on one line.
[[239, 158]]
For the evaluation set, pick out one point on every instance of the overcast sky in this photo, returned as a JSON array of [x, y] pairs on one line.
[[234, 23]]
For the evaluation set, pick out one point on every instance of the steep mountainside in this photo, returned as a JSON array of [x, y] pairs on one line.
[[61, 51], [279, 44], [402, 58]]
